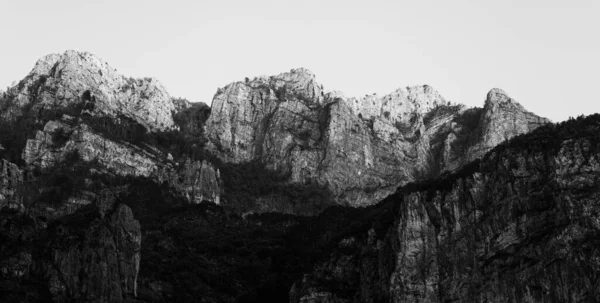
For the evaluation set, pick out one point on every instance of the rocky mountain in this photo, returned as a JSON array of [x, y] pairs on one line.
[[89, 256], [111, 190], [63, 80], [75, 105], [521, 225], [360, 149], [10, 179]]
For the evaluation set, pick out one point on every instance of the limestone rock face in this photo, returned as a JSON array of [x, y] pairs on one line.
[[195, 180], [361, 149], [108, 255], [459, 135], [398, 105], [10, 179], [72, 78], [500, 230], [78, 258], [504, 118]]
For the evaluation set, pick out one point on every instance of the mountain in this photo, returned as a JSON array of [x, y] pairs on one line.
[[74, 106], [521, 225], [311, 144], [64, 80], [360, 149], [111, 190]]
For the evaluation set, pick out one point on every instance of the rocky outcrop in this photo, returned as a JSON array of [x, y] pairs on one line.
[[519, 226], [361, 149], [75, 78], [60, 138], [287, 122], [97, 264], [504, 118], [459, 135], [10, 179], [83, 257], [196, 180]]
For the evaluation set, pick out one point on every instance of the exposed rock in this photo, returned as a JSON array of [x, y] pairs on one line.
[[198, 181], [195, 180], [73, 78], [503, 119], [521, 226], [287, 122], [79, 258], [10, 179], [98, 264]]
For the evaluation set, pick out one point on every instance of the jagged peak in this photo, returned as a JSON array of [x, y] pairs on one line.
[[302, 70], [44, 65], [424, 96], [300, 82], [498, 95], [60, 80], [75, 61]]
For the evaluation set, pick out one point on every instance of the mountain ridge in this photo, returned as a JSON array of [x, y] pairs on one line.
[[287, 121], [282, 190]]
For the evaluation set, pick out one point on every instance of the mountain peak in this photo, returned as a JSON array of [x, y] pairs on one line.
[[497, 96], [45, 64], [302, 70], [60, 80], [426, 96]]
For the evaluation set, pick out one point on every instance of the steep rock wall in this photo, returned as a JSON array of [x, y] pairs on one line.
[[10, 179], [195, 180], [83, 257], [361, 149], [520, 226]]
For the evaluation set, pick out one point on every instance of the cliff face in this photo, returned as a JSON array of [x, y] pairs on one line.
[[519, 226], [288, 122], [361, 149], [195, 180], [10, 179], [75, 105], [84, 257]]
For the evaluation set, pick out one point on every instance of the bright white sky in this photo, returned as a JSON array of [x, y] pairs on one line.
[[544, 53]]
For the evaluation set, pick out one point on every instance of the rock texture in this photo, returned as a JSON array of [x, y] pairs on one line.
[[100, 265], [196, 180], [72, 78], [10, 179], [519, 226], [289, 123], [84, 257]]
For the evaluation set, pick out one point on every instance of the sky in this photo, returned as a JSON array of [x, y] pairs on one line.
[[544, 53]]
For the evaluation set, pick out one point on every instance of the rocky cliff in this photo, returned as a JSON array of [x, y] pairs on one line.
[[11, 178], [63, 80], [196, 180], [287, 122], [83, 148], [76, 105], [521, 225], [84, 257], [361, 149]]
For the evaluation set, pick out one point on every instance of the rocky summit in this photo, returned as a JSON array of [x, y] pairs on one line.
[[61, 80], [111, 190], [360, 149]]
